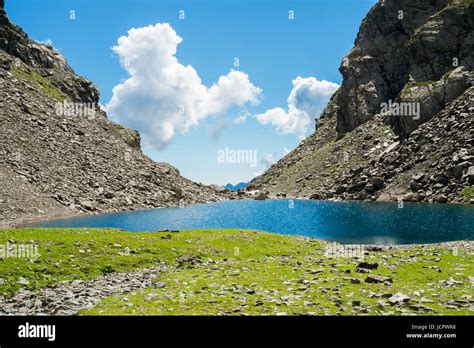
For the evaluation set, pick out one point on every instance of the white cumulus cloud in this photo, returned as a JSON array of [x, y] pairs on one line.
[[306, 101], [163, 97]]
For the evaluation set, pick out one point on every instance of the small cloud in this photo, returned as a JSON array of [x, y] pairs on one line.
[[306, 101], [241, 117], [102, 107], [220, 125], [47, 42], [268, 160]]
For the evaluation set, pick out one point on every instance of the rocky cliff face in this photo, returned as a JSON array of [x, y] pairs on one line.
[[401, 124], [59, 154], [401, 45]]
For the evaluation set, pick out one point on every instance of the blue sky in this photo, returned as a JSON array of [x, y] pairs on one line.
[[272, 49]]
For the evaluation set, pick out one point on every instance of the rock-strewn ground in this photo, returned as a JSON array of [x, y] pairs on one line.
[[425, 59], [70, 298], [433, 165], [54, 163], [230, 272]]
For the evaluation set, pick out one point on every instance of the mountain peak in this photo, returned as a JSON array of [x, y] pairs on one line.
[[405, 107], [59, 152]]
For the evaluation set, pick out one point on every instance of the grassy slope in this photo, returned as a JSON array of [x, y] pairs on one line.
[[32, 78], [237, 272]]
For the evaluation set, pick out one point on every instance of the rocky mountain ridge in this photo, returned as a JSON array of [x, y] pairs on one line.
[[418, 58], [59, 153]]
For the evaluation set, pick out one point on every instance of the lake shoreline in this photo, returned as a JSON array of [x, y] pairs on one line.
[[25, 220], [222, 215], [346, 222]]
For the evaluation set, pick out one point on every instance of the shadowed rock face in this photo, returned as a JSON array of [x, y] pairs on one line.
[[402, 42], [418, 55], [58, 163]]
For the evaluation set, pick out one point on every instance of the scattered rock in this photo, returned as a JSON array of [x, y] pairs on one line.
[[399, 298], [23, 281], [341, 189], [373, 278], [68, 298], [361, 270], [352, 280], [470, 175], [378, 182], [261, 196], [159, 285], [418, 307], [368, 265]]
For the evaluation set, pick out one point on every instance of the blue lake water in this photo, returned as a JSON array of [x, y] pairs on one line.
[[344, 222]]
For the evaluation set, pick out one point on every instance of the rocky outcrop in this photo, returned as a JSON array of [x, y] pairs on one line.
[[430, 165], [401, 124], [431, 97], [405, 43], [69, 298], [59, 154], [45, 61]]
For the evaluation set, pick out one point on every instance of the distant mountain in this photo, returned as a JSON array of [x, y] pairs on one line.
[[240, 185]]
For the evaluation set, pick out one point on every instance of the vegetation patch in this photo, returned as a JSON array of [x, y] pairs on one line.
[[468, 192], [238, 272], [302, 281], [32, 78]]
